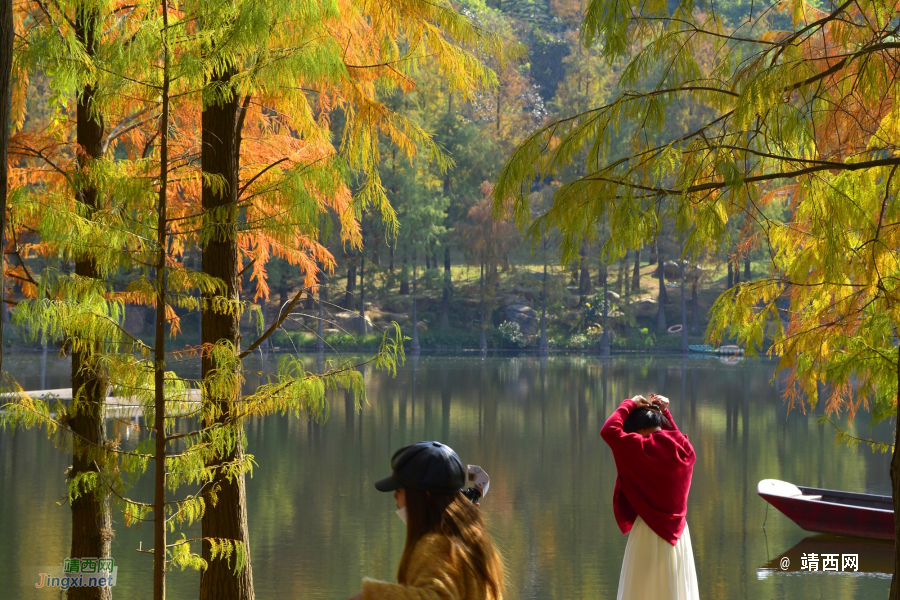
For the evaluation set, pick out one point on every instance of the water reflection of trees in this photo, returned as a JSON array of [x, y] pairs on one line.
[[317, 525], [534, 425]]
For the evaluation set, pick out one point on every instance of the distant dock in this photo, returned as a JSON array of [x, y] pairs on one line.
[[116, 406]]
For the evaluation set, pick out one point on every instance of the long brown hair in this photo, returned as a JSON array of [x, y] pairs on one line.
[[454, 516]]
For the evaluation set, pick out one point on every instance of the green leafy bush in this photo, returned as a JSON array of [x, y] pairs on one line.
[[510, 335]]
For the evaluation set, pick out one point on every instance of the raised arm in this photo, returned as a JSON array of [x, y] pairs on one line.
[[663, 403], [668, 416], [612, 429]]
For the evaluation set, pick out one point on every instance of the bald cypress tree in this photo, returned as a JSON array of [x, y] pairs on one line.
[[91, 519]]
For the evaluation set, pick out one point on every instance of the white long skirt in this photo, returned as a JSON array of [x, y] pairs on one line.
[[655, 569]]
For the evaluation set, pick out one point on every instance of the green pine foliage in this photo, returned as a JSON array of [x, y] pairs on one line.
[[790, 152], [292, 64]]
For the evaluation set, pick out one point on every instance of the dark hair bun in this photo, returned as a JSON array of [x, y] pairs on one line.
[[644, 418]]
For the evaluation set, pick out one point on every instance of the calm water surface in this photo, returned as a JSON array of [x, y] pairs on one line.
[[318, 526]]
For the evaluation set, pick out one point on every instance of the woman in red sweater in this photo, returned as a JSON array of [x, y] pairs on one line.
[[654, 464]]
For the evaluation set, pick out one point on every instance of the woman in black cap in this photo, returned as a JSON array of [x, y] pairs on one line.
[[448, 554]]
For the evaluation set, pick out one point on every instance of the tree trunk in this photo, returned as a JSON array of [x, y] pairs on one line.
[[7, 33], [730, 275], [684, 326], [636, 274], [376, 244], [482, 336], [323, 296], [91, 519], [584, 280], [160, 553], [445, 296], [661, 325], [545, 347], [661, 266], [363, 329], [226, 519], [620, 277], [404, 279], [654, 253], [695, 306], [895, 490], [604, 339], [414, 344], [351, 282], [747, 268]]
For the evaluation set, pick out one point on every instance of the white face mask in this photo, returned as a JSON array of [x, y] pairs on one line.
[[401, 512]]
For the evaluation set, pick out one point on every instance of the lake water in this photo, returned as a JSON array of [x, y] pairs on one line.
[[318, 526]]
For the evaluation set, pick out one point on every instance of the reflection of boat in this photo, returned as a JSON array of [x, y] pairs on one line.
[[829, 511], [874, 558], [730, 360], [728, 350]]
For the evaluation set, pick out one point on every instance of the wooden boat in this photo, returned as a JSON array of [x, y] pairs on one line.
[[830, 511]]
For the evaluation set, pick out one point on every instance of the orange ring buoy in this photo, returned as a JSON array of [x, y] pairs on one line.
[[674, 329]]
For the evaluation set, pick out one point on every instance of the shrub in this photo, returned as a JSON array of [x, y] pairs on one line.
[[510, 335]]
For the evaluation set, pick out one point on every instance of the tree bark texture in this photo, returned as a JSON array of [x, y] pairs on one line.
[[445, 293], [404, 279], [7, 33], [351, 282], [160, 553], [227, 518], [895, 490], [695, 306], [91, 519], [620, 277], [636, 274], [584, 281], [661, 325]]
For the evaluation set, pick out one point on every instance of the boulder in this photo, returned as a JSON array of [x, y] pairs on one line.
[[525, 316], [646, 307], [524, 292], [694, 273], [422, 326], [572, 301], [399, 317], [469, 302], [612, 296], [349, 322], [398, 305], [672, 271], [425, 302]]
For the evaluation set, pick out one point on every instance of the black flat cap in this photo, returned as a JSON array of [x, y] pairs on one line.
[[427, 466]]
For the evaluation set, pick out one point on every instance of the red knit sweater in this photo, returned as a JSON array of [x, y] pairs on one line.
[[654, 475]]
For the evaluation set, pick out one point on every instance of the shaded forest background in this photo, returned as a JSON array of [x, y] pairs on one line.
[[466, 273]]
